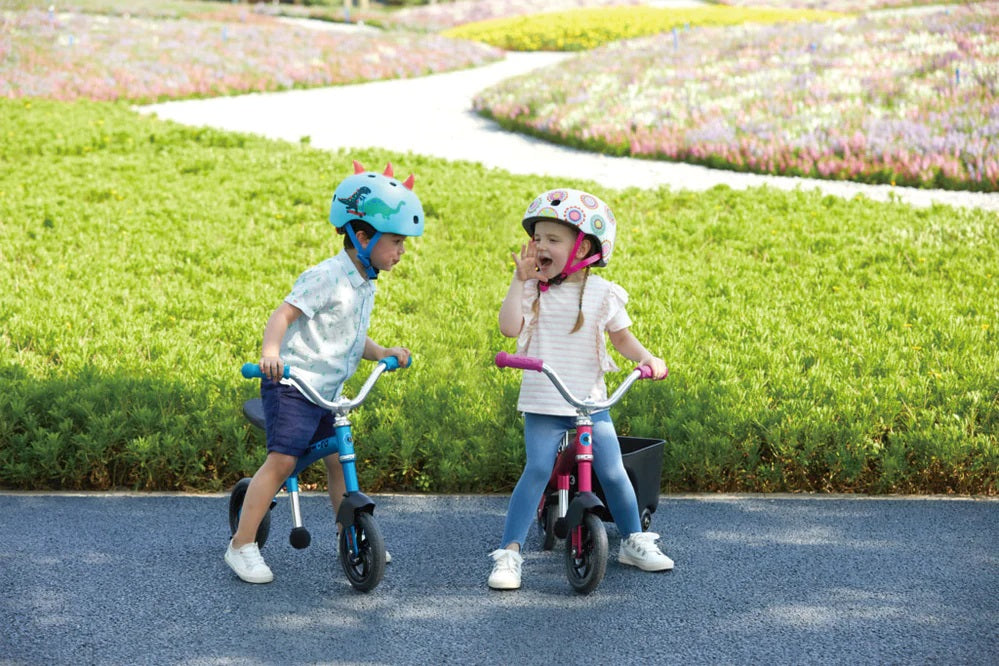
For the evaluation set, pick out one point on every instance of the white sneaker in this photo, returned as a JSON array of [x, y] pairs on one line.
[[506, 569], [640, 550], [248, 563], [388, 557]]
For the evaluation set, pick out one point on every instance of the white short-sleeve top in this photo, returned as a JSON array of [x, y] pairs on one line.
[[326, 343], [579, 358]]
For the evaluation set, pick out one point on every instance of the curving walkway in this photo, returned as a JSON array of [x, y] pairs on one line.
[[432, 116]]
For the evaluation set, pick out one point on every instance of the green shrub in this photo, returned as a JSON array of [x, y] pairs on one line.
[[815, 343]]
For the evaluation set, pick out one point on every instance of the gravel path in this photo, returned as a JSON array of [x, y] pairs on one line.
[[432, 116]]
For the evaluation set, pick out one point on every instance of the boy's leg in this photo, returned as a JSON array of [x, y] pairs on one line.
[[264, 485], [335, 485]]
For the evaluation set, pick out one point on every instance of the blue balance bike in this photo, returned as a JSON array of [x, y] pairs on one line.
[[360, 544]]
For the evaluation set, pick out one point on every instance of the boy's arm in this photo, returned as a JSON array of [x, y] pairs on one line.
[[375, 352], [629, 347], [270, 353]]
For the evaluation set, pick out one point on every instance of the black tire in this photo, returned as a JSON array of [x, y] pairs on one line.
[[364, 566], [236, 498], [586, 568], [646, 519], [547, 514]]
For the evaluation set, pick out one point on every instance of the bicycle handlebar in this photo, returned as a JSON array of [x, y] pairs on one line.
[[505, 360], [341, 405]]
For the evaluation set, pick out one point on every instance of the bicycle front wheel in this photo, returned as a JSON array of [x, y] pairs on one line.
[[585, 567], [362, 552]]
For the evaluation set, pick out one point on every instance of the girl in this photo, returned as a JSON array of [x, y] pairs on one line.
[[558, 312]]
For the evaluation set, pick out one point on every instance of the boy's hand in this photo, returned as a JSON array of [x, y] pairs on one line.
[[657, 365], [401, 353], [527, 263], [272, 367]]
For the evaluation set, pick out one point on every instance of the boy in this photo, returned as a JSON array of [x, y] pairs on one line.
[[321, 329]]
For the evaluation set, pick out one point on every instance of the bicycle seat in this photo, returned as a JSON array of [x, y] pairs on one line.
[[253, 410]]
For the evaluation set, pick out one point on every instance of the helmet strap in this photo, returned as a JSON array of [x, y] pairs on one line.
[[572, 268], [364, 253]]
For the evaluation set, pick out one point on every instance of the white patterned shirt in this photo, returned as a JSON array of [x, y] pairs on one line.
[[580, 359], [326, 343]]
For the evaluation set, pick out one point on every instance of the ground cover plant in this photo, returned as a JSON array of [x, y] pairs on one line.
[[585, 29], [74, 55], [815, 343], [893, 99]]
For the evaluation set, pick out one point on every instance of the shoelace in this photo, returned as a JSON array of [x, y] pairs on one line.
[[252, 557], [506, 561], [645, 542]]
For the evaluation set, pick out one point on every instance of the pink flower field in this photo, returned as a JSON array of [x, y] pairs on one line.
[[900, 98], [67, 56]]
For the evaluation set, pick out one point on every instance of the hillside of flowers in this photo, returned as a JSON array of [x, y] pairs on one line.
[[68, 56], [905, 99], [584, 29]]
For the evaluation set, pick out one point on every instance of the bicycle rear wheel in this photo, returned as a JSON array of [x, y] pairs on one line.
[[586, 567], [236, 498]]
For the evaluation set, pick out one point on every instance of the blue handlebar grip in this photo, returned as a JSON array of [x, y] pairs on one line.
[[252, 371], [392, 363]]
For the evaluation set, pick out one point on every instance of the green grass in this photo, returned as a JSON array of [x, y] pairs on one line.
[[814, 343]]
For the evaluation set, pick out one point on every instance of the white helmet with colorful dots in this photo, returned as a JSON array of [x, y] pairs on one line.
[[581, 210]]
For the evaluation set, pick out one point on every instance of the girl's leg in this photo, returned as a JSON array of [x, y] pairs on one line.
[[541, 437], [609, 467], [265, 484]]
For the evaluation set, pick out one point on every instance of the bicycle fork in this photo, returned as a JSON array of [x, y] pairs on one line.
[[578, 459]]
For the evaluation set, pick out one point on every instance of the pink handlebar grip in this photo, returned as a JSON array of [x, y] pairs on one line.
[[646, 372], [505, 360]]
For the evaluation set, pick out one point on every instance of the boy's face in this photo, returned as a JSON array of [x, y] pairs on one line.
[[388, 251], [553, 242]]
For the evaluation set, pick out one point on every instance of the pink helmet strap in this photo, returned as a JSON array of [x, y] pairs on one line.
[[572, 268]]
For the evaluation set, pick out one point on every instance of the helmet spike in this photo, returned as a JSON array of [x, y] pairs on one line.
[[388, 170], [358, 167], [409, 182]]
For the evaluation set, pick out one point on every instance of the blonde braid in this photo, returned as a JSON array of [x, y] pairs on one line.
[[579, 317]]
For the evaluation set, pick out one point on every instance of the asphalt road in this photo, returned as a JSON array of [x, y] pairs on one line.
[[139, 579]]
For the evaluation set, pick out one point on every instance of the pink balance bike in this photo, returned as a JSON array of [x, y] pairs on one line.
[[572, 507]]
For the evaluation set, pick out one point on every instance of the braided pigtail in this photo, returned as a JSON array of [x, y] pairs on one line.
[[579, 317]]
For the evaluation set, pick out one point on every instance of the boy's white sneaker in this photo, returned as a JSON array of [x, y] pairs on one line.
[[506, 569], [248, 563], [640, 550]]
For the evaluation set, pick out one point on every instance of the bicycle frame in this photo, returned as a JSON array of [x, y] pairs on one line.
[[577, 457], [341, 442]]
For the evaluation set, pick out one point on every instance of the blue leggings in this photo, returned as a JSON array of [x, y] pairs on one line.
[[542, 434]]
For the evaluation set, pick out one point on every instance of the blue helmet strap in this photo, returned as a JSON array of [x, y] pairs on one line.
[[364, 253]]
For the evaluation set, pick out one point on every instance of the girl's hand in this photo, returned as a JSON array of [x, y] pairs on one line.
[[272, 367], [658, 366], [401, 353], [527, 263]]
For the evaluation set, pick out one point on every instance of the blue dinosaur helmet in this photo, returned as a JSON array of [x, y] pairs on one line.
[[380, 200]]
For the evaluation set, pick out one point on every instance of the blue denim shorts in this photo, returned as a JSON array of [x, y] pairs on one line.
[[292, 421]]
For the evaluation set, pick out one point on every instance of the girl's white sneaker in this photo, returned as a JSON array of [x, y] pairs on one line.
[[506, 569], [640, 550]]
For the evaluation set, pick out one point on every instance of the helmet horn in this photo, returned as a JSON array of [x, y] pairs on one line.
[[408, 184], [358, 167], [388, 170]]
